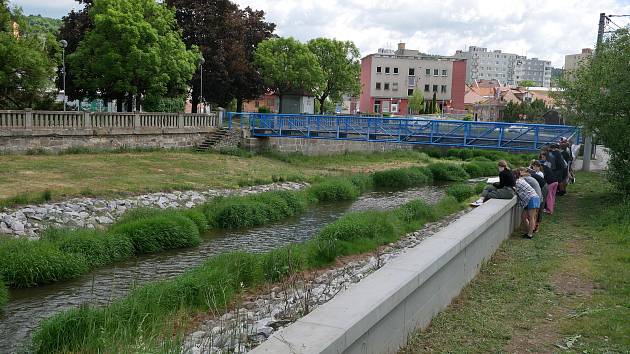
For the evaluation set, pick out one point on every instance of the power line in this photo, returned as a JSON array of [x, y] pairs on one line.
[[611, 21]]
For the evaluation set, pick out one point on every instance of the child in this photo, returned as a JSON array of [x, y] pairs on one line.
[[504, 189], [529, 200]]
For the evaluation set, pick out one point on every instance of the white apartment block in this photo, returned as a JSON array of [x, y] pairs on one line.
[[507, 68]]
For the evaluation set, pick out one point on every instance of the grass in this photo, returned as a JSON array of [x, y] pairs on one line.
[[567, 290], [152, 313]]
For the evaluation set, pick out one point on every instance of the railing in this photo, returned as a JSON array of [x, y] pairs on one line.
[[449, 133], [56, 121]]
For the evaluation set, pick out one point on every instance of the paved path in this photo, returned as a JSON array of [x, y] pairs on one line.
[[599, 164]]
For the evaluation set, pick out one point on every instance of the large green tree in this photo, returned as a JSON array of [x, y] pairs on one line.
[[339, 62], [134, 49], [26, 62], [416, 102], [227, 37], [288, 67], [596, 97]]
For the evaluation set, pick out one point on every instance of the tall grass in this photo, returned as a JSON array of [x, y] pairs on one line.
[[444, 171], [461, 191], [403, 177], [153, 309]]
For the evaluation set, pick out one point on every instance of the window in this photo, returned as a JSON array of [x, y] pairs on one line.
[[435, 88], [426, 88], [395, 70], [378, 85], [409, 92], [411, 81], [377, 106], [395, 86], [428, 71], [436, 72], [443, 72], [394, 107], [379, 69], [412, 72], [386, 86], [387, 70], [385, 106], [443, 89]]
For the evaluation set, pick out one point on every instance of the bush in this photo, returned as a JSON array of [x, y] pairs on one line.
[[336, 189], [481, 168], [443, 171], [463, 154], [461, 192], [97, 247], [26, 263], [402, 177], [4, 295], [416, 210], [362, 181], [162, 231]]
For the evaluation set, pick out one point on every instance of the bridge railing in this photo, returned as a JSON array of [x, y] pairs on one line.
[[53, 121], [409, 130]]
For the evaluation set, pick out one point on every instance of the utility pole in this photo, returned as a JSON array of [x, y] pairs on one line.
[[588, 141]]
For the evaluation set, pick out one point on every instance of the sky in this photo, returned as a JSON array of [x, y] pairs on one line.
[[544, 29]]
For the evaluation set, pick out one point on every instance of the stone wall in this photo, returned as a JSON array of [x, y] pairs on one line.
[[57, 143], [320, 146]]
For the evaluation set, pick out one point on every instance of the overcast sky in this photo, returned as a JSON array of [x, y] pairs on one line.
[[546, 29]]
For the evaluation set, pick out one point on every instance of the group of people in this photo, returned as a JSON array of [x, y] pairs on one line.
[[535, 186]]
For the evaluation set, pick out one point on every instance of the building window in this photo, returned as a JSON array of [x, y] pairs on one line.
[[379, 69], [387, 70], [428, 71], [412, 72], [377, 106], [426, 88], [411, 81], [409, 92], [394, 108], [443, 72], [395, 70], [443, 89], [385, 106], [435, 88], [395, 86], [378, 85], [436, 72], [386, 86]]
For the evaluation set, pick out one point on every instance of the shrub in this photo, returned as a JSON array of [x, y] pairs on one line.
[[461, 192], [463, 154], [416, 210], [443, 171], [97, 247], [278, 264], [337, 189], [4, 295], [362, 181], [26, 263], [162, 231], [481, 168], [402, 178]]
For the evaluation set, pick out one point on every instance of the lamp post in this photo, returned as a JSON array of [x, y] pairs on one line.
[[63, 43], [201, 61]]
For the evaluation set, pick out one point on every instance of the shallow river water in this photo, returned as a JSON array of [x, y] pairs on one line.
[[28, 307]]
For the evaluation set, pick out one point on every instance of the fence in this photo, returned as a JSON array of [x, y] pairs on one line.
[[412, 130], [28, 120]]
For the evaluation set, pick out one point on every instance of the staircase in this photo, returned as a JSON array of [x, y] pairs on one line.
[[213, 139]]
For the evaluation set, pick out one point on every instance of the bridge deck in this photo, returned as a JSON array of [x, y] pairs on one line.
[[450, 133]]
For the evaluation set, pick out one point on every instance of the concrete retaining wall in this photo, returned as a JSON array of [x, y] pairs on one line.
[[380, 312], [321, 146]]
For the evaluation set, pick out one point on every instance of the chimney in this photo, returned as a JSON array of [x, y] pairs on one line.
[[401, 46]]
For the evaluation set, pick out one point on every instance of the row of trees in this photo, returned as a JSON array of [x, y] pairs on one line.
[[155, 55], [528, 111]]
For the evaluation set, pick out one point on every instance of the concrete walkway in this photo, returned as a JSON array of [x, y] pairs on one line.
[[599, 164]]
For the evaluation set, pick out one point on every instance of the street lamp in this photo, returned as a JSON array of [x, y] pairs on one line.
[[201, 61], [63, 43]]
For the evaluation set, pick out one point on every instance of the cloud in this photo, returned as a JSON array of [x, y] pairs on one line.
[[538, 28]]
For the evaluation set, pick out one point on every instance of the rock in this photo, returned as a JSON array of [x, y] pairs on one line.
[[198, 335], [265, 331], [4, 228], [228, 316], [103, 220], [17, 227]]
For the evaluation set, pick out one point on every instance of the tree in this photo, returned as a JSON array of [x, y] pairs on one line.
[[288, 67], [339, 62], [227, 38], [133, 50], [433, 108], [27, 66], [596, 97], [527, 83], [416, 102]]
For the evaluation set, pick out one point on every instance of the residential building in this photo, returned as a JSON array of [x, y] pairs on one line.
[[268, 101], [573, 61], [389, 78], [507, 68]]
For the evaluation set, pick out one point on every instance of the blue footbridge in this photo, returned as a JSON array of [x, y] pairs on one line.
[[406, 130]]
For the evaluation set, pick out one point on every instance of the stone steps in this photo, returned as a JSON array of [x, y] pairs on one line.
[[212, 139]]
